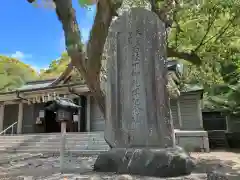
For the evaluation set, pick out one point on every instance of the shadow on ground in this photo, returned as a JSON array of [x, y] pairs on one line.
[[227, 168]]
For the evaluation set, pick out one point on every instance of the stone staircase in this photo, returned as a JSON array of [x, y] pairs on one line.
[[80, 143]]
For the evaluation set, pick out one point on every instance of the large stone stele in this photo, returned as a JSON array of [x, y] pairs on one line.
[[168, 162], [138, 123], [137, 101]]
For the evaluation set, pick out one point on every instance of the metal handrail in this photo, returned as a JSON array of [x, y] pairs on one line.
[[9, 127]]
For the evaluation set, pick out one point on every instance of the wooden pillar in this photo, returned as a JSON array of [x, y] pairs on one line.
[[227, 118], [79, 114], [20, 118], [1, 117], [63, 145], [179, 113], [199, 106], [88, 128], [64, 126]]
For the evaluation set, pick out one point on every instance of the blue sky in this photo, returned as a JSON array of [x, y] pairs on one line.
[[34, 35]]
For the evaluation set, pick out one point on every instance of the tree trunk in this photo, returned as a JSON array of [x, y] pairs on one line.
[[88, 67]]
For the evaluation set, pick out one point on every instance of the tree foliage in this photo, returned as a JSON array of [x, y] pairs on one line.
[[204, 33], [57, 67], [225, 96], [14, 73], [209, 29]]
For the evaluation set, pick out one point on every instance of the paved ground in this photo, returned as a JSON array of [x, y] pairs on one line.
[[225, 162], [39, 167]]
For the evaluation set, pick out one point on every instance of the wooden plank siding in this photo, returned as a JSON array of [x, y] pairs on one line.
[[174, 111], [97, 122], [10, 116], [189, 109], [233, 123], [189, 104]]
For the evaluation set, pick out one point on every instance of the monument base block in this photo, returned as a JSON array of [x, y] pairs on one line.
[[168, 162]]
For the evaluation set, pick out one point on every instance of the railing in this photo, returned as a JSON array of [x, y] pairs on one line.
[[9, 127]]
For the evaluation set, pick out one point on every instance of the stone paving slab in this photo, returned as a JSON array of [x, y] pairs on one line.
[[8, 157], [93, 176], [47, 167]]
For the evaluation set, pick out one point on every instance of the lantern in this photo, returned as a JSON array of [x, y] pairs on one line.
[[64, 108]]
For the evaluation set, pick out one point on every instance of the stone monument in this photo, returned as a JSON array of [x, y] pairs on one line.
[[136, 94], [138, 122]]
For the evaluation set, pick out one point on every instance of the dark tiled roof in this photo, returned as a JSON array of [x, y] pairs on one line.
[[191, 88], [34, 86], [62, 103], [42, 84]]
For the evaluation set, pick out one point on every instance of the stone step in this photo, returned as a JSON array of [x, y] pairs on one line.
[[56, 151], [51, 140], [52, 145], [57, 134], [5, 158], [51, 137], [83, 143], [37, 146], [66, 141], [68, 136], [58, 145], [37, 143]]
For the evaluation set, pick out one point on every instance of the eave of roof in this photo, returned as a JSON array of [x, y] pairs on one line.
[[44, 86], [191, 88]]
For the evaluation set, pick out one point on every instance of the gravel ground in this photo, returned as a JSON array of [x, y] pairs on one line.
[[40, 167]]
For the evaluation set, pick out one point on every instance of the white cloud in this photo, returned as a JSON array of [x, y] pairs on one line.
[[20, 55], [26, 58]]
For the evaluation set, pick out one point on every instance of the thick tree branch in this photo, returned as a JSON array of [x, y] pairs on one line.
[[66, 15], [98, 35], [222, 31], [190, 57], [210, 23], [65, 74]]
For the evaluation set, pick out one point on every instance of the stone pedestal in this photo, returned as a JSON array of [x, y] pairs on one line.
[[167, 162]]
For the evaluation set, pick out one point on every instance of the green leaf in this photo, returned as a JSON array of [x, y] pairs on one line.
[[14, 73], [84, 3]]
